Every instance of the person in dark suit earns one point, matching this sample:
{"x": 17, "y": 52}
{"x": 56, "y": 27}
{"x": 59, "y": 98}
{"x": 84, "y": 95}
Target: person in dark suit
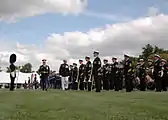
{"x": 44, "y": 71}
{"x": 97, "y": 71}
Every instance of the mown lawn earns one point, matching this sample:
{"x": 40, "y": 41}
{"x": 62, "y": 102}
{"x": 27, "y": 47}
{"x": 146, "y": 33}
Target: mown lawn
{"x": 70, "y": 105}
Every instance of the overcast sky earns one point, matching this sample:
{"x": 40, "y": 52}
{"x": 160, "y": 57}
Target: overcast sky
{"x": 72, "y": 29}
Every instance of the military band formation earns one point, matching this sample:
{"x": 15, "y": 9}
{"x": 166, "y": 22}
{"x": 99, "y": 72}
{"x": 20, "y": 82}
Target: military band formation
{"x": 111, "y": 76}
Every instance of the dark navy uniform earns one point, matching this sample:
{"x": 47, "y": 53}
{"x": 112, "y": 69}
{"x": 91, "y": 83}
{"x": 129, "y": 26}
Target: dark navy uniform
{"x": 128, "y": 74}
{"x": 106, "y": 76}
{"x": 44, "y": 71}
{"x": 157, "y": 73}
{"x": 70, "y": 77}
{"x": 164, "y": 77}
{"x": 88, "y": 79}
{"x": 64, "y": 72}
{"x": 120, "y": 75}
{"x": 97, "y": 72}
{"x": 142, "y": 75}
{"x": 74, "y": 77}
{"x": 111, "y": 80}
{"x": 81, "y": 76}
{"x": 115, "y": 71}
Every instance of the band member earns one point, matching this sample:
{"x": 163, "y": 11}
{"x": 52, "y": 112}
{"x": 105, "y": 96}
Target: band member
{"x": 128, "y": 73}
{"x": 64, "y": 73}
{"x": 97, "y": 71}
{"x": 142, "y": 75}
{"x": 114, "y": 74}
{"x": 70, "y": 79}
{"x": 88, "y": 72}
{"x": 164, "y": 77}
{"x": 149, "y": 75}
{"x": 44, "y": 71}
{"x": 157, "y": 73}
{"x": 74, "y": 77}
{"x": 120, "y": 75}
{"x": 81, "y": 74}
{"x": 106, "y": 75}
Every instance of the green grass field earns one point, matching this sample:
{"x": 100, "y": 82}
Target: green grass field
{"x": 71, "y": 105}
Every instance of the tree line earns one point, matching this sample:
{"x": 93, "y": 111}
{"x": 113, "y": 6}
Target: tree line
{"x": 26, "y": 68}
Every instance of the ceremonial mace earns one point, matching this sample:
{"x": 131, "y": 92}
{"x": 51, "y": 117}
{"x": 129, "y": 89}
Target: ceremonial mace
{"x": 12, "y": 67}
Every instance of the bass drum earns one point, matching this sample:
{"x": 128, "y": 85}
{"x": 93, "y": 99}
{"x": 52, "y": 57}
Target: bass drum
{"x": 151, "y": 85}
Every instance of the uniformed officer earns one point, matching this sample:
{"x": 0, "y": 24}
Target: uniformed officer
{"x": 106, "y": 75}
{"x": 81, "y": 76}
{"x": 70, "y": 79}
{"x": 150, "y": 68}
{"x": 114, "y": 74}
{"x": 88, "y": 72}
{"x": 64, "y": 72}
{"x": 120, "y": 75}
{"x": 44, "y": 71}
{"x": 157, "y": 73}
{"x": 97, "y": 71}
{"x": 164, "y": 77}
{"x": 75, "y": 74}
{"x": 128, "y": 73}
{"x": 149, "y": 77}
{"x": 142, "y": 75}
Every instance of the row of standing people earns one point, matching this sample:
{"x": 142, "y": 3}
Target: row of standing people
{"x": 98, "y": 76}
{"x": 109, "y": 76}
{"x": 115, "y": 75}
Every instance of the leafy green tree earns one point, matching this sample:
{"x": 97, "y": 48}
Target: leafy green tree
{"x": 27, "y": 68}
{"x": 158, "y": 50}
{"x": 146, "y": 51}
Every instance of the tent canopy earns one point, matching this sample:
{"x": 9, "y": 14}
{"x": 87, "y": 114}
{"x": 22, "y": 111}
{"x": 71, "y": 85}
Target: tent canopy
{"x": 22, "y": 77}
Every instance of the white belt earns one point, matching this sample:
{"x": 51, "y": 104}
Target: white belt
{"x": 13, "y": 74}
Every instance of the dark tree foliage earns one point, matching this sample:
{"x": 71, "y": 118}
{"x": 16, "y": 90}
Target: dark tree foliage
{"x": 27, "y": 68}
